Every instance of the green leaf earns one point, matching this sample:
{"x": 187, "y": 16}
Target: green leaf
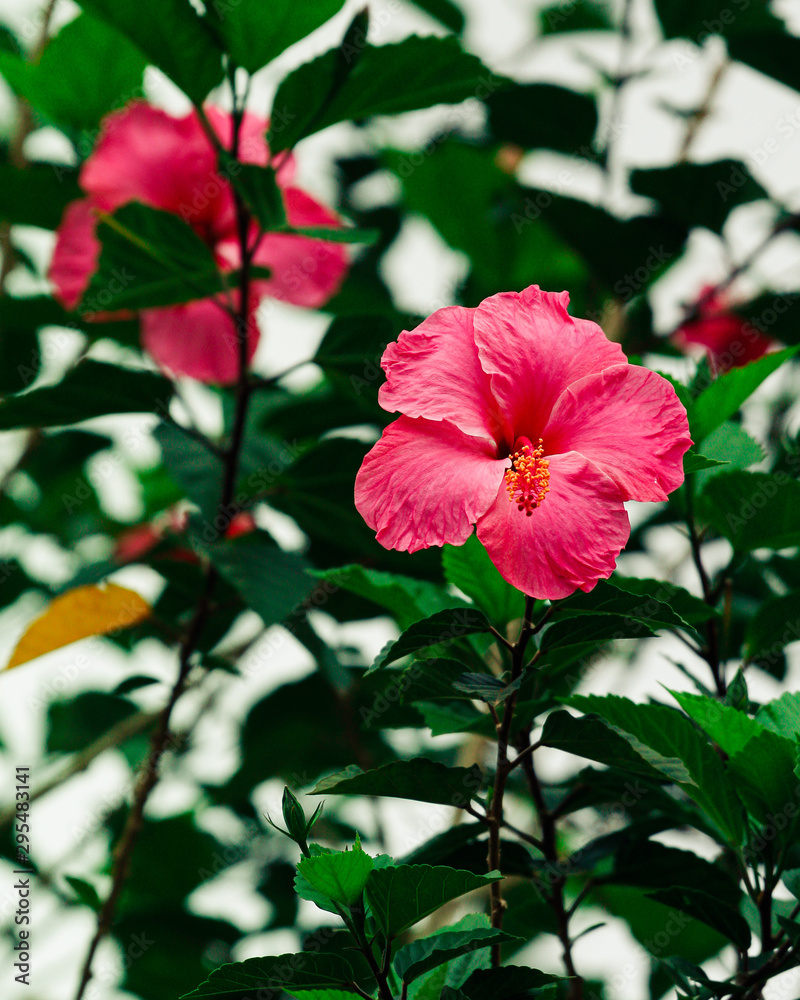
{"x": 707, "y": 908}
{"x": 420, "y": 779}
{"x": 71, "y": 89}
{"x": 255, "y": 34}
{"x": 695, "y": 19}
{"x": 340, "y": 876}
{"x": 149, "y": 258}
{"x": 754, "y": 509}
{"x": 456, "y": 717}
{"x": 386, "y": 80}
{"x": 599, "y": 628}
{"x": 403, "y": 596}
{"x": 629, "y": 613}
{"x": 420, "y": 956}
{"x": 699, "y": 194}
{"x": 773, "y": 627}
{"x": 655, "y": 866}
{"x": 543, "y": 116}
{"x": 327, "y": 994}
{"x": 434, "y": 680}
{"x": 669, "y": 742}
{"x": 446, "y": 12}
{"x": 85, "y": 891}
{"x": 583, "y": 15}
{"x": 692, "y": 462}
{"x": 765, "y": 774}
{"x": 184, "y": 856}
{"x": 728, "y": 445}
{"x": 728, "y": 727}
{"x": 688, "y": 607}
{"x": 615, "y": 249}
{"x": 469, "y": 568}
{"x": 775, "y": 54}
{"x": 91, "y": 389}
{"x": 486, "y": 687}
{"x": 20, "y": 357}
{"x": 37, "y": 195}
{"x": 335, "y": 234}
{"x": 725, "y": 395}
{"x": 510, "y": 982}
{"x": 402, "y": 895}
{"x": 197, "y": 470}
{"x": 587, "y": 736}
{"x": 272, "y": 582}
{"x": 172, "y": 36}
{"x": 354, "y": 345}
{"x": 75, "y": 723}
{"x": 772, "y": 314}
{"x": 259, "y": 190}
{"x": 440, "y": 629}
{"x": 307, "y": 970}
{"x": 134, "y": 683}
{"x": 782, "y": 715}
{"x": 762, "y": 760}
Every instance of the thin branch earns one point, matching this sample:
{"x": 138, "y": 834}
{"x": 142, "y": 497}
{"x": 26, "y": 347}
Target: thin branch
{"x": 495, "y": 814}
{"x": 555, "y": 895}
{"x": 699, "y": 115}
{"x": 501, "y": 638}
{"x": 711, "y": 652}
{"x": 615, "y": 112}
{"x": 149, "y": 775}
{"x": 527, "y": 837}
{"x": 523, "y": 754}
{"x": 695, "y": 310}
{"x": 116, "y": 736}
{"x": 584, "y": 892}
{"x": 145, "y": 784}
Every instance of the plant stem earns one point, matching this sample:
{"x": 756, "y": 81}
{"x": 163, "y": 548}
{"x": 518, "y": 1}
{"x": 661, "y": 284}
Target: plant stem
{"x": 711, "y": 651}
{"x": 145, "y": 784}
{"x": 148, "y": 777}
{"x": 699, "y": 115}
{"x": 555, "y": 896}
{"x": 380, "y": 972}
{"x": 615, "y": 113}
{"x": 502, "y": 770}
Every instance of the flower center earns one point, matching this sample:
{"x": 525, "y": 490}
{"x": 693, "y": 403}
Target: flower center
{"x": 527, "y": 479}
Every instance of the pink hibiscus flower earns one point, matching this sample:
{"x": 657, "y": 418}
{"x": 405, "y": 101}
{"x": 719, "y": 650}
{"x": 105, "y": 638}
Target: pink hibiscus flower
{"x": 531, "y": 425}
{"x": 146, "y": 155}
{"x": 730, "y": 340}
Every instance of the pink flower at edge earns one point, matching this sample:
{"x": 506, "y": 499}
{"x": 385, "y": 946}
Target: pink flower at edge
{"x": 530, "y": 424}
{"x": 146, "y": 155}
{"x": 730, "y": 341}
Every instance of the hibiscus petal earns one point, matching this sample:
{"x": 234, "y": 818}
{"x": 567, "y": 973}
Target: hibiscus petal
{"x": 197, "y": 339}
{"x": 730, "y": 340}
{"x": 426, "y": 483}
{"x": 305, "y": 272}
{"x": 144, "y": 154}
{"x": 76, "y": 253}
{"x": 532, "y": 349}
{"x": 629, "y": 422}
{"x": 252, "y": 137}
{"x": 433, "y": 371}
{"x": 570, "y": 541}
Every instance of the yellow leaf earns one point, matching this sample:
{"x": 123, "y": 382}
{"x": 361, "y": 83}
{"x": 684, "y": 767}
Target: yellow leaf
{"x": 78, "y": 614}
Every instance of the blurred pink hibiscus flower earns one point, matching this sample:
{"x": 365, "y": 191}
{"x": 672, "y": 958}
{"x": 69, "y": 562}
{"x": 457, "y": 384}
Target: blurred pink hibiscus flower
{"x": 146, "y": 155}
{"x": 729, "y": 339}
{"x": 528, "y": 423}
